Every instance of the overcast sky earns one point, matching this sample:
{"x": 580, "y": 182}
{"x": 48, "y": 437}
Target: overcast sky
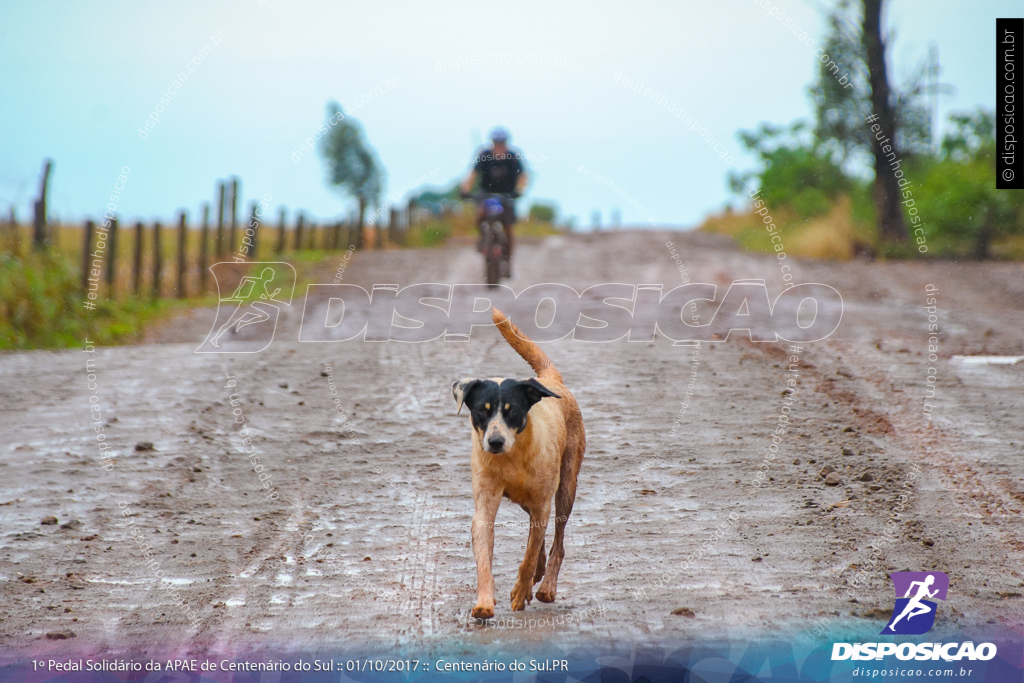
{"x": 79, "y": 80}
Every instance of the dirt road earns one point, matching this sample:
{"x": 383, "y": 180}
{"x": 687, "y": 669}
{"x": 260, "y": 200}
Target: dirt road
{"x": 383, "y": 485}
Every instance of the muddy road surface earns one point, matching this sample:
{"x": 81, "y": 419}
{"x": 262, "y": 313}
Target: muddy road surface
{"x": 367, "y": 540}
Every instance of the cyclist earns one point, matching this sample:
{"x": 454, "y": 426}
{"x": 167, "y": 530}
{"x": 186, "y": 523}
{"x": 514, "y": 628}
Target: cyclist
{"x": 499, "y": 171}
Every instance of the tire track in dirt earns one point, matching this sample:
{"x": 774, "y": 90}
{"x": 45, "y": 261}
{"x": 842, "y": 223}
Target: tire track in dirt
{"x": 857, "y": 384}
{"x": 940, "y": 450}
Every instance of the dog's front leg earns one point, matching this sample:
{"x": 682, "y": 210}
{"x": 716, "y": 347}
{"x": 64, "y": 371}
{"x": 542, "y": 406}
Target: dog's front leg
{"x": 487, "y": 499}
{"x": 523, "y": 591}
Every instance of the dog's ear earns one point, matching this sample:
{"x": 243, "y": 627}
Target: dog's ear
{"x": 534, "y": 391}
{"x": 461, "y": 389}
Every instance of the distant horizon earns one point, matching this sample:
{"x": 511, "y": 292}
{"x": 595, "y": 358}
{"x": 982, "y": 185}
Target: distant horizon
{"x": 251, "y": 98}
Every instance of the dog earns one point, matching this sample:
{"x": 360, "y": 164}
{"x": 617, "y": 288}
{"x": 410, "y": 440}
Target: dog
{"x": 528, "y": 444}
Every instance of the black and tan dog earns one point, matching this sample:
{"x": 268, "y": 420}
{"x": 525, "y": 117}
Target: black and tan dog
{"x": 528, "y": 444}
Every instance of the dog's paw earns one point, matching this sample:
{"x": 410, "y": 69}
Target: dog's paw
{"x": 521, "y": 594}
{"x": 545, "y": 594}
{"x": 483, "y": 611}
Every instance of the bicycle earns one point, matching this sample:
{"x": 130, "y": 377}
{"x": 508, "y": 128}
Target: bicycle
{"x": 493, "y": 237}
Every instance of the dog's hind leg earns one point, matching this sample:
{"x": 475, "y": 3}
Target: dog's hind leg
{"x": 563, "y": 506}
{"x": 542, "y": 560}
{"x": 542, "y": 557}
{"x": 522, "y": 593}
{"x": 565, "y": 497}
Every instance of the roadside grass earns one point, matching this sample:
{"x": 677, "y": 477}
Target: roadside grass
{"x": 836, "y": 235}
{"x": 842, "y": 233}
{"x": 42, "y": 307}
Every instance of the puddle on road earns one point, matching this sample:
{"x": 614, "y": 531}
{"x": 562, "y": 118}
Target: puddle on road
{"x": 177, "y": 582}
{"x": 987, "y": 360}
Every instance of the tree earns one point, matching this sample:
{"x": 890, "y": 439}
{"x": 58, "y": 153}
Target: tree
{"x": 891, "y": 225}
{"x": 542, "y": 212}
{"x": 842, "y": 101}
{"x": 352, "y": 165}
{"x": 843, "y": 105}
{"x": 841, "y": 108}
{"x": 964, "y": 207}
{"x": 796, "y": 170}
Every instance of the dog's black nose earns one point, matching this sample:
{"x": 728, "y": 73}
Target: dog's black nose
{"x": 496, "y": 442}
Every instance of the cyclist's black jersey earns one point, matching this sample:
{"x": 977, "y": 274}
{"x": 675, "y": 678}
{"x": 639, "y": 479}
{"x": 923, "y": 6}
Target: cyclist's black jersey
{"x": 498, "y": 172}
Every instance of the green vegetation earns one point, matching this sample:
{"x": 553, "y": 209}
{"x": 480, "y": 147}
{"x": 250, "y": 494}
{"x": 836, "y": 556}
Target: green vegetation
{"x": 815, "y": 180}
{"x": 544, "y": 213}
{"x": 963, "y": 213}
{"x": 431, "y": 233}
{"x": 41, "y": 306}
{"x": 826, "y": 212}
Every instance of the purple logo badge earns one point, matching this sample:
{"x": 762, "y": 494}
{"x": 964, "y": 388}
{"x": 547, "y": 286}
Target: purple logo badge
{"x": 913, "y": 613}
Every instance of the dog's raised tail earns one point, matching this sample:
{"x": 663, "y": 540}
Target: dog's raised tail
{"x": 525, "y": 347}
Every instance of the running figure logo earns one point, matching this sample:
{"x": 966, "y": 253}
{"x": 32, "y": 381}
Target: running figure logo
{"x": 913, "y": 613}
{"x": 247, "y": 319}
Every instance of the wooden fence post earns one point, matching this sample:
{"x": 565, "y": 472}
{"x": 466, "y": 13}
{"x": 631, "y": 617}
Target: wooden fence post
{"x": 281, "y": 232}
{"x": 182, "y": 250}
{"x": 410, "y": 219}
{"x": 298, "y": 230}
{"x": 254, "y": 225}
{"x": 15, "y": 233}
{"x": 220, "y": 221}
{"x": 112, "y": 263}
{"x": 393, "y": 226}
{"x": 234, "y": 215}
{"x": 336, "y": 236}
{"x": 158, "y": 260}
{"x": 137, "y": 267}
{"x": 87, "y": 254}
{"x": 403, "y": 227}
{"x": 204, "y": 248}
{"x": 14, "y": 237}
{"x": 359, "y": 223}
{"x": 39, "y": 226}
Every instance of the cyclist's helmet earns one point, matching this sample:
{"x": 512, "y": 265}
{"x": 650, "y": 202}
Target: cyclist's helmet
{"x": 499, "y": 134}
